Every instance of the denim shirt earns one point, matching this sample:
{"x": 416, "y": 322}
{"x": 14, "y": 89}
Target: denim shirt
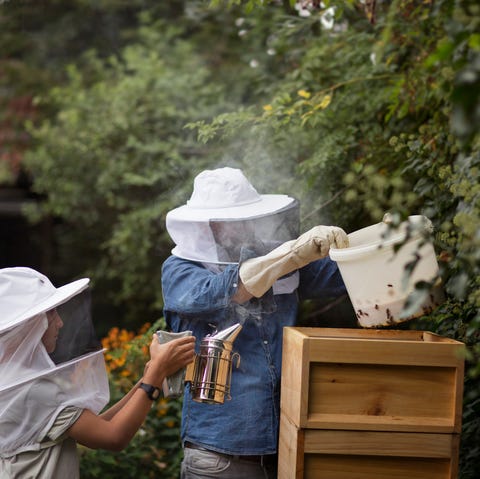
{"x": 196, "y": 298}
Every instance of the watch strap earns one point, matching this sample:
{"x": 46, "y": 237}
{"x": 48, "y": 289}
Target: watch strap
{"x": 152, "y": 391}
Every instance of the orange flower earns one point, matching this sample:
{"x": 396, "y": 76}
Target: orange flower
{"x": 144, "y": 329}
{"x": 121, "y": 344}
{"x": 162, "y": 407}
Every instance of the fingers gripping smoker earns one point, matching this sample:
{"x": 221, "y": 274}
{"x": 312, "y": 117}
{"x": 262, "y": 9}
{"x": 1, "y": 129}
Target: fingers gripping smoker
{"x": 210, "y": 374}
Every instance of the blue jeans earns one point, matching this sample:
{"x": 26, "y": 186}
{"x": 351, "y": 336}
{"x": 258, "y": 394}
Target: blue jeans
{"x": 202, "y": 464}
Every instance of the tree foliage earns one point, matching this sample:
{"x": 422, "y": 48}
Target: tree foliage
{"x": 120, "y": 131}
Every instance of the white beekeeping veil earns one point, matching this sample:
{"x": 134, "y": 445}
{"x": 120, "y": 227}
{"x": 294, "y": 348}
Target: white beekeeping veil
{"x": 224, "y": 213}
{"x": 35, "y": 385}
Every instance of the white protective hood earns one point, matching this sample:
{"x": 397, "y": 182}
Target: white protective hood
{"x": 224, "y": 213}
{"x": 35, "y": 385}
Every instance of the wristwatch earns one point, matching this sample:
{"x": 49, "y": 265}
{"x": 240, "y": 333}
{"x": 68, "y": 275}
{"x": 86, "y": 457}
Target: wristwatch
{"x": 152, "y": 391}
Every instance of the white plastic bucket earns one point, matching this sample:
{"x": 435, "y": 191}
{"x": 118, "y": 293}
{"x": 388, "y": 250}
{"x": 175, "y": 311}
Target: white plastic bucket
{"x": 375, "y": 275}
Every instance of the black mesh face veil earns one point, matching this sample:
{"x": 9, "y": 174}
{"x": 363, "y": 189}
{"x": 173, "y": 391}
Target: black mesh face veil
{"x": 265, "y": 231}
{"x": 77, "y": 335}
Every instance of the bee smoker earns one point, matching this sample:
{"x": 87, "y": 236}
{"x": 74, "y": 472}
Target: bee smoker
{"x": 210, "y": 374}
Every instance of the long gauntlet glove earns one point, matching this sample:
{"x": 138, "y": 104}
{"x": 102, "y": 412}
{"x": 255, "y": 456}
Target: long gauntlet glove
{"x": 259, "y": 274}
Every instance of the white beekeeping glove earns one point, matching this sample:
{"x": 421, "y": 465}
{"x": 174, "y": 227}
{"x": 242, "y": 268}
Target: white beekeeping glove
{"x": 259, "y": 274}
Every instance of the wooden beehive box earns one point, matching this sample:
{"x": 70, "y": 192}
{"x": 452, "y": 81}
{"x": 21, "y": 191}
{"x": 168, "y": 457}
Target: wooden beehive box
{"x": 382, "y": 380}
{"x": 343, "y": 454}
{"x": 358, "y": 404}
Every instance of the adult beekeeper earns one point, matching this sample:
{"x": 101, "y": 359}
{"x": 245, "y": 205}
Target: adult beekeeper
{"x": 53, "y": 380}
{"x": 238, "y": 258}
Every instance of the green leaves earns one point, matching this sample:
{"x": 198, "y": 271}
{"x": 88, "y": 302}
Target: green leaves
{"x": 116, "y": 149}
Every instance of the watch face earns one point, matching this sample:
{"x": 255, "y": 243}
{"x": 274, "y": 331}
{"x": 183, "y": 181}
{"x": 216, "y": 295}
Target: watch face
{"x": 154, "y": 393}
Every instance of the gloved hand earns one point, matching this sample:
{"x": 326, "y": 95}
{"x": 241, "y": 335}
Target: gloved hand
{"x": 259, "y": 274}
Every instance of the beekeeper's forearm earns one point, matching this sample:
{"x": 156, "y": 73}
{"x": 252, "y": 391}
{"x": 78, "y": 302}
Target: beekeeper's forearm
{"x": 110, "y": 412}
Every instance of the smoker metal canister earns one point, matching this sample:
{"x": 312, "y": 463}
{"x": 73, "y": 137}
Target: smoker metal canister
{"x": 212, "y": 368}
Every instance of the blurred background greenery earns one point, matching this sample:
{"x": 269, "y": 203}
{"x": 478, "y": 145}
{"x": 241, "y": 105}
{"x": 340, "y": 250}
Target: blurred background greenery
{"x": 109, "y": 108}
